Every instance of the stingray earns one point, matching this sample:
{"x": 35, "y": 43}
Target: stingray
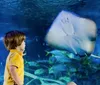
{"x": 72, "y": 33}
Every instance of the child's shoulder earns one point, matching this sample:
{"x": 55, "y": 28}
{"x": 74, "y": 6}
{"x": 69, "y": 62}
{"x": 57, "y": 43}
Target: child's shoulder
{"x": 13, "y": 55}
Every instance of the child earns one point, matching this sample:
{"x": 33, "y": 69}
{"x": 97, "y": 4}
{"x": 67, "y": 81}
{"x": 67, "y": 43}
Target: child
{"x": 14, "y": 70}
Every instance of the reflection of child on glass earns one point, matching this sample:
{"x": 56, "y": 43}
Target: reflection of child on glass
{"x": 14, "y": 70}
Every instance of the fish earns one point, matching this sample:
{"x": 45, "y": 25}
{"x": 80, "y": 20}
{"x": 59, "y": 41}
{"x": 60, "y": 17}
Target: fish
{"x": 32, "y": 63}
{"x": 59, "y": 59}
{"x": 40, "y": 71}
{"x": 72, "y": 33}
{"x": 56, "y": 52}
{"x": 59, "y": 56}
{"x": 57, "y": 68}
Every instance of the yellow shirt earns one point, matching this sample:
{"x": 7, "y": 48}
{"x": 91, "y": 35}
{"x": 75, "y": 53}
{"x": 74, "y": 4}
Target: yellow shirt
{"x": 14, "y": 58}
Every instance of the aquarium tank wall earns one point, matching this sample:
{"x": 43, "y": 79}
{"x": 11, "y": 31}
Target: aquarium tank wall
{"x": 62, "y": 40}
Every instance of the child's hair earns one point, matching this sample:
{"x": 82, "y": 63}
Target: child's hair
{"x": 13, "y": 39}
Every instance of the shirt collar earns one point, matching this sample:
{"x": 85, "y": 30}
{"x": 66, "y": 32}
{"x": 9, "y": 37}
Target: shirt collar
{"x": 15, "y": 50}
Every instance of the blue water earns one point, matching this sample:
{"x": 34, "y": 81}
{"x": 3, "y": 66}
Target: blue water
{"x": 34, "y": 18}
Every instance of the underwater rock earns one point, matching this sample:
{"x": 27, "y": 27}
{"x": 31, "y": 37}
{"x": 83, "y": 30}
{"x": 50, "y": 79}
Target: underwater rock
{"x": 43, "y": 79}
{"x": 65, "y": 79}
{"x": 34, "y": 82}
{"x": 72, "y": 69}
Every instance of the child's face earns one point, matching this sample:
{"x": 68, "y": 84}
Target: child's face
{"x": 22, "y": 46}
